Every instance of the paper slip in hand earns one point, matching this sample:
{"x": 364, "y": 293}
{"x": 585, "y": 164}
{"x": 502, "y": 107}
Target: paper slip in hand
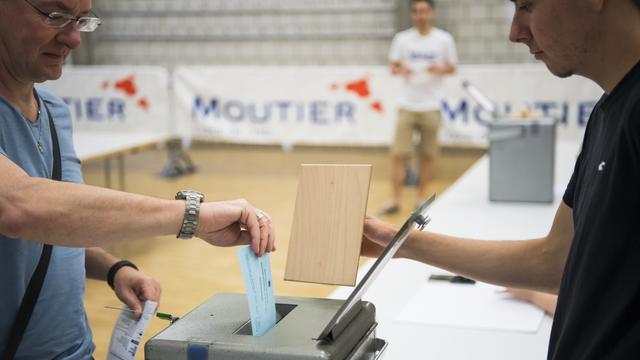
{"x": 256, "y": 272}
{"x": 128, "y": 332}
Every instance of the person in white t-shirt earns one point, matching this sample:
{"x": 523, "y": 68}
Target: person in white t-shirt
{"x": 423, "y": 55}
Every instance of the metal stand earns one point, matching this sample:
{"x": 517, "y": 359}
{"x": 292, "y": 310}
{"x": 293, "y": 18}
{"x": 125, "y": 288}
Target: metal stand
{"x": 121, "y": 170}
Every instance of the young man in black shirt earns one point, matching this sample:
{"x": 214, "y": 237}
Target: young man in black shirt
{"x": 591, "y": 255}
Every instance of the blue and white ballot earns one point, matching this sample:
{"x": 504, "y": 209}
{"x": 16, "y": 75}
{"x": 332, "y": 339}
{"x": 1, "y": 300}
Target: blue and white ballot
{"x": 128, "y": 331}
{"x": 256, "y": 272}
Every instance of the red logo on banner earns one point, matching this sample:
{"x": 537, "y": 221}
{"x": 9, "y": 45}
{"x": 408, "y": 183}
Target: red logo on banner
{"x": 143, "y": 103}
{"x": 128, "y": 87}
{"x": 361, "y": 89}
{"x": 377, "y": 106}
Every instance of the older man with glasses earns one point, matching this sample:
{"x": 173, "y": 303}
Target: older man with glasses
{"x": 50, "y": 231}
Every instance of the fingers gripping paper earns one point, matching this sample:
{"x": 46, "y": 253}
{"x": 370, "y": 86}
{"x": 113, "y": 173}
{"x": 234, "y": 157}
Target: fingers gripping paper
{"x": 256, "y": 272}
{"x": 327, "y": 224}
{"x": 128, "y": 331}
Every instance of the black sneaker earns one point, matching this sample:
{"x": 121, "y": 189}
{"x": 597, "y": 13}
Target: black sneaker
{"x": 389, "y": 209}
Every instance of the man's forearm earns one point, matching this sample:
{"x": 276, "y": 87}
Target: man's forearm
{"x": 522, "y": 263}
{"x": 83, "y": 216}
{"x": 98, "y": 262}
{"x": 449, "y": 69}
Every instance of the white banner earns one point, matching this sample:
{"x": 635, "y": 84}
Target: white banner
{"x": 130, "y": 99}
{"x": 311, "y": 105}
{"x": 514, "y": 89}
{"x": 357, "y": 105}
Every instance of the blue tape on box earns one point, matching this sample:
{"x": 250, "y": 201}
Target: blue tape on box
{"x": 197, "y": 352}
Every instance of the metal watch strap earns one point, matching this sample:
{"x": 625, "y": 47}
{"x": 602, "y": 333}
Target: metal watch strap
{"x": 191, "y": 212}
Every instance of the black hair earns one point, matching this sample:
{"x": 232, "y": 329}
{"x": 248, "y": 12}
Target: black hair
{"x": 432, "y": 3}
{"x": 636, "y": 2}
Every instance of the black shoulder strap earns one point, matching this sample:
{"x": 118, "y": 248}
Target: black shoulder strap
{"x": 37, "y": 279}
{"x": 57, "y": 162}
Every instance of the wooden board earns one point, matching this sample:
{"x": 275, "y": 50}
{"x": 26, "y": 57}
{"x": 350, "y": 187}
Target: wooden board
{"x": 327, "y": 224}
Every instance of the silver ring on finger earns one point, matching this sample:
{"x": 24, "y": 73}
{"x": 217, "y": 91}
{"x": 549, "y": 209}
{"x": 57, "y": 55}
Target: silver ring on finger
{"x": 261, "y": 216}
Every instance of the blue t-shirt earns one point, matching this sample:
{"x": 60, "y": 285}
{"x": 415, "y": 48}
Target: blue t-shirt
{"x": 58, "y": 328}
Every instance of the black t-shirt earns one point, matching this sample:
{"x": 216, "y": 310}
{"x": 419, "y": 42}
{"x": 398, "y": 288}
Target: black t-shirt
{"x": 598, "y": 312}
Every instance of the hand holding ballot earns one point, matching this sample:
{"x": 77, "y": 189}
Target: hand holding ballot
{"x": 133, "y": 288}
{"x": 236, "y": 222}
{"x": 128, "y": 332}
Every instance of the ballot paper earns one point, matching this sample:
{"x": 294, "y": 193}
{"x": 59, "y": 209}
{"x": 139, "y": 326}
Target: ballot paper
{"x": 128, "y": 332}
{"x": 477, "y": 306}
{"x": 256, "y": 272}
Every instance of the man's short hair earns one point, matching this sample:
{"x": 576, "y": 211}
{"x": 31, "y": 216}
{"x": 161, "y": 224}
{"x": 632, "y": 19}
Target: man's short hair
{"x": 431, "y": 3}
{"x": 637, "y": 2}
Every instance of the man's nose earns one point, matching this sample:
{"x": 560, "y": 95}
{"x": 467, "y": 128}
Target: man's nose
{"x": 519, "y": 32}
{"x": 70, "y": 35}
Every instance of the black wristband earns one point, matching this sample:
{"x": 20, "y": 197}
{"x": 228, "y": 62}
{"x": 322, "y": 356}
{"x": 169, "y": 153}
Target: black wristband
{"x": 117, "y": 266}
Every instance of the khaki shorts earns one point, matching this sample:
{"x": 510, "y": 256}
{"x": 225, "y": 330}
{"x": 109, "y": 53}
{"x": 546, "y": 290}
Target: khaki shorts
{"x": 426, "y": 122}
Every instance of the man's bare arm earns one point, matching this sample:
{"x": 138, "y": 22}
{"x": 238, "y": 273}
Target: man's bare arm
{"x": 98, "y": 262}
{"x": 446, "y": 69}
{"x": 131, "y": 286}
{"x": 78, "y": 215}
{"x": 535, "y": 264}
{"x": 398, "y": 68}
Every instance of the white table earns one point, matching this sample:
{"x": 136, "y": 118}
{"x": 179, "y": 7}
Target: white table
{"x": 105, "y": 145}
{"x": 465, "y": 210}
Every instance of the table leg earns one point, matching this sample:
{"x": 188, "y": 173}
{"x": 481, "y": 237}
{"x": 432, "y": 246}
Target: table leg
{"x": 107, "y": 172}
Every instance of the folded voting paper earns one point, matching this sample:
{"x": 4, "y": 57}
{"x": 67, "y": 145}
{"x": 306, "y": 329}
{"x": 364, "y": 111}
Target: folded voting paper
{"x": 128, "y": 332}
{"x": 256, "y": 272}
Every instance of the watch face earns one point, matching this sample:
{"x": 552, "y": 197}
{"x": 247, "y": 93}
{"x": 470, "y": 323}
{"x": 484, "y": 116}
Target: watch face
{"x": 198, "y": 194}
{"x": 182, "y": 195}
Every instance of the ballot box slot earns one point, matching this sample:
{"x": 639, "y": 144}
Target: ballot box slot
{"x": 282, "y": 310}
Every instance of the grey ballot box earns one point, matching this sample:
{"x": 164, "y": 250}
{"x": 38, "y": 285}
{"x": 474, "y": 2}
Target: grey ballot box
{"x": 220, "y": 329}
{"x": 522, "y": 156}
{"x": 306, "y": 328}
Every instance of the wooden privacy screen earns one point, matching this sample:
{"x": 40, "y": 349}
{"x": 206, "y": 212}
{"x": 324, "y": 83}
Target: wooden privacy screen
{"x": 327, "y": 224}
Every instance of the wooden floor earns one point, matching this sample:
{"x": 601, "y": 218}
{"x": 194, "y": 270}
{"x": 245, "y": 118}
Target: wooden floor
{"x": 191, "y": 271}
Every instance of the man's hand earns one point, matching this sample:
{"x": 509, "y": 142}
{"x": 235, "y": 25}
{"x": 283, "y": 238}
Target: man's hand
{"x": 440, "y": 69}
{"x": 376, "y": 236}
{"x": 404, "y": 71}
{"x": 236, "y": 222}
{"x": 397, "y": 68}
{"x": 134, "y": 287}
{"x": 546, "y": 302}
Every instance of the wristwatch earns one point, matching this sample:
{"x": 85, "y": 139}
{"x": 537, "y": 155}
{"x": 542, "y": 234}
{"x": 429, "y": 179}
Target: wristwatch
{"x": 191, "y": 212}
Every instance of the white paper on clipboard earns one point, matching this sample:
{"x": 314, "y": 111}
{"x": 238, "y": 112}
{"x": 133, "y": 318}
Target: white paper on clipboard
{"x": 477, "y": 306}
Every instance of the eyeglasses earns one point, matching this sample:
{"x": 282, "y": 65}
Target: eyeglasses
{"x": 60, "y": 20}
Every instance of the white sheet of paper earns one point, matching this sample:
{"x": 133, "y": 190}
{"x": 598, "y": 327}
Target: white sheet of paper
{"x": 478, "y": 306}
{"x": 127, "y": 333}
